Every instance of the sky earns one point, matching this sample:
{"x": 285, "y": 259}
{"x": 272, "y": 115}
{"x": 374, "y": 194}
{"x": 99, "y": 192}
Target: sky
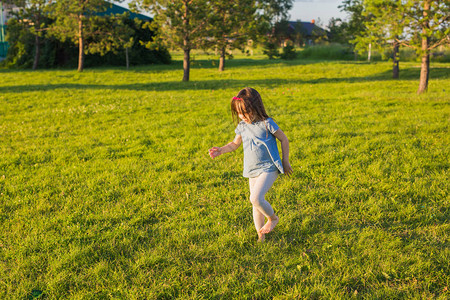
{"x": 307, "y": 10}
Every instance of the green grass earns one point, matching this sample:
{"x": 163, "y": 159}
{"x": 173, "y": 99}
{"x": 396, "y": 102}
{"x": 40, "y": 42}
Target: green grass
{"x": 108, "y": 192}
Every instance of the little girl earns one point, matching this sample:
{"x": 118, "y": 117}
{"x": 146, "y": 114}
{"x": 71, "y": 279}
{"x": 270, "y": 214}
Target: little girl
{"x": 262, "y": 163}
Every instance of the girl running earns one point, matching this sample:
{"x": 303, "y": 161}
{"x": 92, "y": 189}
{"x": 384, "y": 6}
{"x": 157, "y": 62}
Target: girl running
{"x": 262, "y": 163}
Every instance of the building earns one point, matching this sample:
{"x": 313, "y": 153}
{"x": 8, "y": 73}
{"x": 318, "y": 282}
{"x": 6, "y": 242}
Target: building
{"x": 305, "y": 33}
{"x": 114, "y": 9}
{"x": 6, "y": 13}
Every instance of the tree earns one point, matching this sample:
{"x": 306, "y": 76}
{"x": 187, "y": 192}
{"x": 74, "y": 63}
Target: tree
{"x": 429, "y": 22}
{"x": 275, "y": 10}
{"x": 178, "y": 23}
{"x": 275, "y": 13}
{"x": 110, "y": 33}
{"x": 33, "y": 17}
{"x": 227, "y": 29}
{"x": 384, "y": 25}
{"x": 419, "y": 24}
{"x": 338, "y": 30}
{"x": 108, "y": 46}
{"x": 355, "y": 25}
{"x": 73, "y": 19}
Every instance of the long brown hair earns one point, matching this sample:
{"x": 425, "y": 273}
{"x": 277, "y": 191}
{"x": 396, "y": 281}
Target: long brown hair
{"x": 248, "y": 102}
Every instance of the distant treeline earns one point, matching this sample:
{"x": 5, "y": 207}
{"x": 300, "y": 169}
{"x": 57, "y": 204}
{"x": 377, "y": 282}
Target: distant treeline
{"x": 64, "y": 33}
{"x": 56, "y": 53}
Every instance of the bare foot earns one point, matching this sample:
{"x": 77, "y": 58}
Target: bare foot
{"x": 270, "y": 225}
{"x": 261, "y": 237}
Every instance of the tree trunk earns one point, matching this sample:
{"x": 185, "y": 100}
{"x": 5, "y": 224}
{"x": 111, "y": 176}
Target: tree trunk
{"x": 425, "y": 67}
{"x": 222, "y": 59}
{"x": 186, "y": 64}
{"x": 127, "y": 58}
{"x": 37, "y": 53}
{"x": 395, "y": 68}
{"x": 369, "y": 55}
{"x": 80, "y": 45}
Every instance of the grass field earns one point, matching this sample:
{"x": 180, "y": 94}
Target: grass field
{"x": 107, "y": 190}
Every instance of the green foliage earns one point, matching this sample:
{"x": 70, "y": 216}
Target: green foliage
{"x": 121, "y": 32}
{"x": 329, "y": 52}
{"x": 420, "y": 24}
{"x": 339, "y": 32}
{"x": 275, "y": 11}
{"x": 114, "y": 33}
{"x": 78, "y": 22}
{"x": 270, "y": 48}
{"x": 384, "y": 24}
{"x": 424, "y": 19}
{"x": 21, "y": 42}
{"x": 32, "y": 16}
{"x": 179, "y": 24}
{"x": 354, "y": 26}
{"x": 441, "y": 55}
{"x": 226, "y": 28}
{"x": 55, "y": 53}
{"x": 288, "y": 51}
{"x": 107, "y": 190}
{"x": 73, "y": 18}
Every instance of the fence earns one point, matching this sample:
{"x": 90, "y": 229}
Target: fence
{"x": 3, "y": 42}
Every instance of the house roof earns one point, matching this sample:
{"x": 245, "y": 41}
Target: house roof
{"x": 116, "y": 9}
{"x": 308, "y": 27}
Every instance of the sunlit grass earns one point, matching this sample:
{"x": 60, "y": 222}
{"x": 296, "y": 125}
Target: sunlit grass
{"x": 107, "y": 189}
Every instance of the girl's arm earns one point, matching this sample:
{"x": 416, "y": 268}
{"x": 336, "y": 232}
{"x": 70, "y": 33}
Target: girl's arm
{"x": 279, "y": 134}
{"x": 216, "y": 151}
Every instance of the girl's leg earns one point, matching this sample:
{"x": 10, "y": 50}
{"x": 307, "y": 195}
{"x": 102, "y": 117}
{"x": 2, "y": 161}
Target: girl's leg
{"x": 259, "y": 186}
{"x": 258, "y": 217}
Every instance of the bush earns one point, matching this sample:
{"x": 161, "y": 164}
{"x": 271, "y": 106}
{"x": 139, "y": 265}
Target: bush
{"x": 271, "y": 49}
{"x": 441, "y": 56}
{"x": 55, "y": 53}
{"x": 333, "y": 51}
{"x": 289, "y": 52}
{"x": 407, "y": 54}
{"x": 20, "y": 51}
{"x": 138, "y": 54}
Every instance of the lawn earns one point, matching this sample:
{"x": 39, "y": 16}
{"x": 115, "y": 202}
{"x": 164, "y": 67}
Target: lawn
{"x": 107, "y": 190}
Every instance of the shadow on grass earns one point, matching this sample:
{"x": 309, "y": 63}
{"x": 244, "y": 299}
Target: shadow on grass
{"x": 175, "y": 65}
{"x": 242, "y": 62}
{"x": 407, "y": 74}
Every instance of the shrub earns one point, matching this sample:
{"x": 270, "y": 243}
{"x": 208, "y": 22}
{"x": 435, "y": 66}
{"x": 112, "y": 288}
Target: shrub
{"x": 271, "y": 49}
{"x": 289, "y": 52}
{"x": 333, "y": 51}
{"x": 20, "y": 46}
{"x": 441, "y": 55}
{"x": 55, "y": 53}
